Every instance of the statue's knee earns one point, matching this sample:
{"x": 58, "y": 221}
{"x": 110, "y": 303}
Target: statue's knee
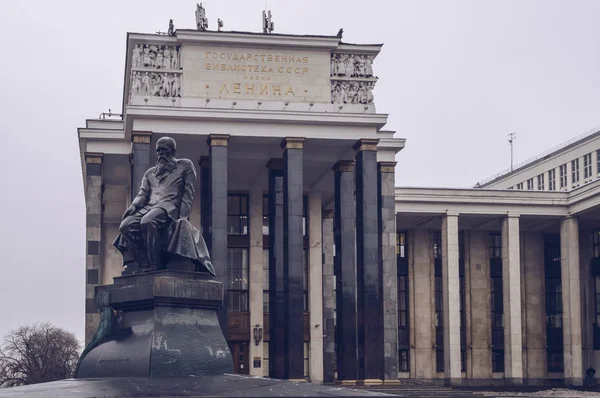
{"x": 125, "y": 226}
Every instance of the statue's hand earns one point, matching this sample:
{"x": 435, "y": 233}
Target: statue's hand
{"x": 130, "y": 210}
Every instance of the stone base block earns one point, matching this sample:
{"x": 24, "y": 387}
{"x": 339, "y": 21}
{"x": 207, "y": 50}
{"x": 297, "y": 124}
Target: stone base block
{"x": 346, "y": 382}
{"x": 370, "y": 382}
{"x": 392, "y": 382}
{"x": 159, "y": 324}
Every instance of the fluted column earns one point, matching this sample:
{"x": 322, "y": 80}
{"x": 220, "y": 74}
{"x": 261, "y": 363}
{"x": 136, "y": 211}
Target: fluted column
{"x": 450, "y": 292}
{"x": 293, "y": 251}
{"x": 345, "y": 272}
{"x": 218, "y": 214}
{"x": 369, "y": 278}
{"x": 571, "y": 301}
{"x": 511, "y": 292}
{"x": 93, "y": 236}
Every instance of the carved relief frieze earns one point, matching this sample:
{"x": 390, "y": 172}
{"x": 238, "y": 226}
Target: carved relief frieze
{"x": 155, "y": 56}
{"x": 352, "y": 92}
{"x": 352, "y": 79}
{"x": 155, "y": 84}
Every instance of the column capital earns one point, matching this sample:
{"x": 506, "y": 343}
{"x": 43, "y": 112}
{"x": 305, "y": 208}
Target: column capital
{"x": 204, "y": 162}
{"x": 328, "y": 213}
{"x": 513, "y": 215}
{"x": 387, "y": 167}
{"x": 218, "y": 140}
{"x": 93, "y": 157}
{"x": 292, "y": 143}
{"x": 275, "y": 164}
{"x": 451, "y": 213}
{"x": 141, "y": 137}
{"x": 344, "y": 165}
{"x": 365, "y": 144}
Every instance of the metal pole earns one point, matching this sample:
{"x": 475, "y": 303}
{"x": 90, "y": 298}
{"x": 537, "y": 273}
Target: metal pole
{"x": 511, "y": 138}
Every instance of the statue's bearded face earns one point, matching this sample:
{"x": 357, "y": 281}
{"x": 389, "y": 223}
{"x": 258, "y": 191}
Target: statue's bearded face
{"x": 165, "y": 162}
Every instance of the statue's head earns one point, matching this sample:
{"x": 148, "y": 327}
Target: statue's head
{"x": 165, "y": 147}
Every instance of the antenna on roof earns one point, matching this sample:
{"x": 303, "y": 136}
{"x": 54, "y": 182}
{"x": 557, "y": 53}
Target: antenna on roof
{"x": 511, "y": 139}
{"x": 268, "y": 25}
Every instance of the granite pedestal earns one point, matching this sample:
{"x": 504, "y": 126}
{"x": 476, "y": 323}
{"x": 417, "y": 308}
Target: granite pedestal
{"x": 158, "y": 324}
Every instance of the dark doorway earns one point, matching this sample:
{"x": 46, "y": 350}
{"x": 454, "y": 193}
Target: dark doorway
{"x": 240, "y": 354}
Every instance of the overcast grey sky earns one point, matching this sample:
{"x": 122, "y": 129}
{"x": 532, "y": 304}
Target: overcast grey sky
{"x": 455, "y": 76}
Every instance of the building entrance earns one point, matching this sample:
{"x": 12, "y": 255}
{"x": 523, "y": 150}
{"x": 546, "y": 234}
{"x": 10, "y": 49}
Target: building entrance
{"x": 240, "y": 354}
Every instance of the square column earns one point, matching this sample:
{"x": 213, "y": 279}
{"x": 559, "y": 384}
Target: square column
{"x": 205, "y": 200}
{"x": 256, "y": 278}
{"x": 369, "y": 278}
{"x": 389, "y": 267}
{"x": 93, "y": 237}
{"x": 511, "y": 299}
{"x": 571, "y": 301}
{"x": 140, "y": 161}
{"x": 276, "y": 271}
{"x": 315, "y": 287}
{"x": 450, "y": 292}
{"x": 328, "y": 299}
{"x": 218, "y": 216}
{"x": 345, "y": 272}
{"x": 293, "y": 254}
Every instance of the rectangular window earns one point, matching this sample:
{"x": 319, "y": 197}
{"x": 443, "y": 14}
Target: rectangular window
{"x": 540, "y": 183}
{"x": 553, "y": 296}
{"x": 237, "y": 273}
{"x": 575, "y": 171}
{"x": 402, "y": 297}
{"x": 439, "y": 302}
{"x": 596, "y": 242}
{"x": 530, "y": 184}
{"x": 306, "y": 358}
{"x": 265, "y": 363}
{"x": 587, "y": 166}
{"x": 563, "y": 175}
{"x": 305, "y": 278}
{"x": 265, "y": 212}
{"x": 266, "y": 280}
{"x": 497, "y": 305}
{"x": 552, "y": 180}
{"x": 520, "y": 186}
{"x": 237, "y": 214}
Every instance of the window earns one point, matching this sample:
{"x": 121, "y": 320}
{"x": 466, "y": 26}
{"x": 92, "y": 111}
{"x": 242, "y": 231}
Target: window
{"x": 540, "y": 182}
{"x": 463, "y": 311}
{"x": 497, "y": 305}
{"x": 574, "y": 171}
{"x": 496, "y": 246}
{"x": 596, "y": 242}
{"x": 597, "y": 285}
{"x": 403, "y": 297}
{"x": 563, "y": 175}
{"x": 306, "y": 358}
{"x": 587, "y": 166}
{"x": 237, "y": 273}
{"x": 530, "y": 184}
{"x": 305, "y": 278}
{"x": 266, "y": 280}
{"x": 553, "y": 295}
{"x": 237, "y": 214}
{"x": 552, "y": 180}
{"x": 520, "y": 186}
{"x": 598, "y": 161}
{"x": 265, "y": 212}
{"x": 439, "y": 302}
{"x": 265, "y": 358}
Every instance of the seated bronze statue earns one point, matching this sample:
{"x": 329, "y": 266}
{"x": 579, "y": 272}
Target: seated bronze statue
{"x": 155, "y": 228}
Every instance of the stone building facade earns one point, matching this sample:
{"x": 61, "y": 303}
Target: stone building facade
{"x": 332, "y": 273}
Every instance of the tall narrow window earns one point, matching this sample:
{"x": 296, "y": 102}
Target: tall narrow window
{"x": 265, "y": 209}
{"x": 554, "y": 328}
{"x": 497, "y": 306}
{"x": 596, "y": 243}
{"x": 563, "y": 175}
{"x": 266, "y": 280}
{"x": 540, "y": 182}
{"x": 463, "y": 311}
{"x": 530, "y": 184}
{"x": 552, "y": 180}
{"x": 598, "y": 161}
{"x": 305, "y": 278}
{"x": 237, "y": 270}
{"x": 587, "y": 166}
{"x": 403, "y": 297}
{"x": 439, "y": 302}
{"x": 520, "y": 186}
{"x": 575, "y": 171}
{"x": 306, "y": 359}
{"x": 237, "y": 214}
